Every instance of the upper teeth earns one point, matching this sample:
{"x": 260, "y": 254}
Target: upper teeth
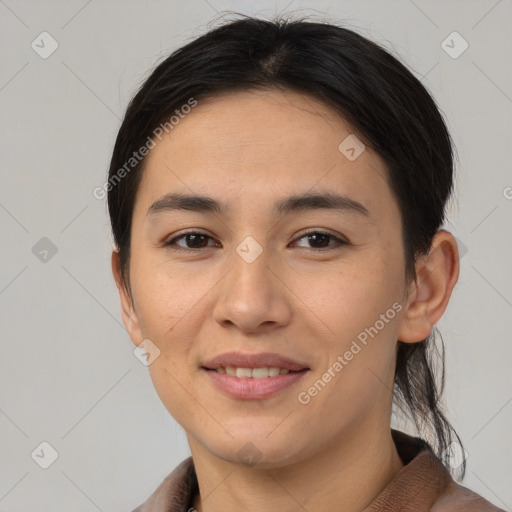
{"x": 255, "y": 373}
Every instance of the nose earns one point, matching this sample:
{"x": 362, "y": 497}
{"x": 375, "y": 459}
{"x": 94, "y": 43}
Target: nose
{"x": 253, "y": 295}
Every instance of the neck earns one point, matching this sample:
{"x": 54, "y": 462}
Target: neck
{"x": 352, "y": 473}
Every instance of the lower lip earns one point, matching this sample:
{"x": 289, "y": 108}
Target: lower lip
{"x": 253, "y": 389}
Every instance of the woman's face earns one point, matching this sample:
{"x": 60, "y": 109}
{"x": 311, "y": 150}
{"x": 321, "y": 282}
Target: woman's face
{"x": 252, "y": 281}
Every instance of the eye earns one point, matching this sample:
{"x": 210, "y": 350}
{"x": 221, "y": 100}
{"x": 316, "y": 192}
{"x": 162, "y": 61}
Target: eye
{"x": 193, "y": 240}
{"x": 320, "y": 240}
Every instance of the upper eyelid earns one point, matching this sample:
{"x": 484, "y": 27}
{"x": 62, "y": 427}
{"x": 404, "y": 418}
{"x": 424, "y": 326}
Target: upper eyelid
{"x": 319, "y": 231}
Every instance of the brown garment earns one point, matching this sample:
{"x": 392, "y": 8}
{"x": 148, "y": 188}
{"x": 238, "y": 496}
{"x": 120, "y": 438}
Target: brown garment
{"x": 423, "y": 484}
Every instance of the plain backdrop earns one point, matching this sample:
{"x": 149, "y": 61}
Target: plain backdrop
{"x": 69, "y": 377}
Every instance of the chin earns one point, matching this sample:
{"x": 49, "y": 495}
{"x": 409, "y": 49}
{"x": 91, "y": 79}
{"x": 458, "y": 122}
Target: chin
{"x": 257, "y": 450}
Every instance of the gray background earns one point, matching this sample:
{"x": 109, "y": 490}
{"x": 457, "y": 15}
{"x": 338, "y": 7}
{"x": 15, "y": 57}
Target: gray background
{"x": 68, "y": 373}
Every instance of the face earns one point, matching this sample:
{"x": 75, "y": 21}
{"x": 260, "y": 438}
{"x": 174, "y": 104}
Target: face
{"x": 317, "y": 282}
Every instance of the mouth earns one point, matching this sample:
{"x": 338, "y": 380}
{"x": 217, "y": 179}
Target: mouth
{"x": 246, "y": 365}
{"x": 253, "y": 376}
{"x": 258, "y": 386}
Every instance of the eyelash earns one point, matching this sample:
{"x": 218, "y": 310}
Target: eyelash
{"x": 339, "y": 242}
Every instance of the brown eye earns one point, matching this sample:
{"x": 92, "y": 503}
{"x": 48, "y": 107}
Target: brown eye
{"x": 192, "y": 241}
{"x": 320, "y": 240}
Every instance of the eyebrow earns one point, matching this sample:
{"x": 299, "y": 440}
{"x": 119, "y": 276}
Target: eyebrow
{"x": 297, "y": 203}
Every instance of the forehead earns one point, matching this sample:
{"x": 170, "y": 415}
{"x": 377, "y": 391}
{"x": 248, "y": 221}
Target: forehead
{"x": 258, "y": 126}
{"x": 259, "y": 144}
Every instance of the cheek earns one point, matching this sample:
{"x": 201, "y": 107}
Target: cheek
{"x": 357, "y": 374}
{"x": 164, "y": 297}
{"x": 354, "y": 296}
{"x": 361, "y": 305}
{"x": 166, "y": 315}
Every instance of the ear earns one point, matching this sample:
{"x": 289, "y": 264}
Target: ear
{"x": 128, "y": 313}
{"x": 436, "y": 275}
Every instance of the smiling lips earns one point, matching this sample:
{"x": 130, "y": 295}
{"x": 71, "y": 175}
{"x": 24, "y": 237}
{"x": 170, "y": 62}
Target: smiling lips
{"x": 253, "y": 376}
{"x": 262, "y": 360}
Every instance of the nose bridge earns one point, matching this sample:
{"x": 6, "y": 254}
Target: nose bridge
{"x": 251, "y": 294}
{"x": 250, "y": 269}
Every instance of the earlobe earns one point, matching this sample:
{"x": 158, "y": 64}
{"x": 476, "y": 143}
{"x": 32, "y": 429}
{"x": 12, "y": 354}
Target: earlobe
{"x": 128, "y": 313}
{"x": 436, "y": 275}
